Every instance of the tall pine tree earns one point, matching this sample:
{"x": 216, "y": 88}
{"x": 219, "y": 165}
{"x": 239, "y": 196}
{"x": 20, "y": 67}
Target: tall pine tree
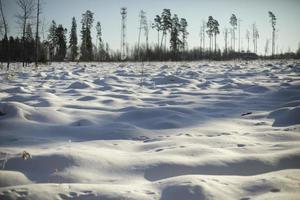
{"x": 61, "y": 43}
{"x": 73, "y": 40}
{"x": 52, "y": 39}
{"x": 100, "y": 47}
{"x": 184, "y": 33}
{"x": 29, "y": 44}
{"x": 86, "y": 48}
{"x": 174, "y": 40}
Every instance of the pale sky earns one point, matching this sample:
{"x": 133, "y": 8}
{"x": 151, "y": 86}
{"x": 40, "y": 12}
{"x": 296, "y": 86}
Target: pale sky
{"x": 108, "y": 13}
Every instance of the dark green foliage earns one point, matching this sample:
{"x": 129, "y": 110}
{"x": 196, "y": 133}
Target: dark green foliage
{"x": 100, "y": 54}
{"x": 61, "y": 45}
{"x": 57, "y": 42}
{"x": 86, "y": 48}
{"x": 233, "y": 23}
{"x": 175, "y": 42}
{"x": 4, "y": 49}
{"x": 52, "y": 39}
{"x": 166, "y": 24}
{"x": 29, "y": 45}
{"x": 184, "y": 33}
{"x": 73, "y": 40}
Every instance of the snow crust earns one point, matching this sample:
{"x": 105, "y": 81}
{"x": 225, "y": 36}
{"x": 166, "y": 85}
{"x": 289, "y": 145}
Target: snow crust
{"x": 182, "y": 131}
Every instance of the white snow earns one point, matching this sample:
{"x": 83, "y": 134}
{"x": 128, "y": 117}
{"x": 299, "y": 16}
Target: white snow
{"x": 183, "y": 131}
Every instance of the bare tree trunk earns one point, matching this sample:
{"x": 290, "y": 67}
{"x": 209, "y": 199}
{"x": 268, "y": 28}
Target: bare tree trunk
{"x": 158, "y": 38}
{"x": 239, "y": 22}
{"x": 162, "y": 38}
{"x": 5, "y": 35}
{"x": 203, "y": 35}
{"x": 215, "y": 43}
{"x": 139, "y": 38}
{"x": 226, "y": 40}
{"x": 248, "y": 45}
{"x": 27, "y": 8}
{"x": 23, "y": 42}
{"x": 210, "y": 43}
{"x": 231, "y": 41}
{"x": 273, "y": 42}
{"x": 37, "y": 34}
{"x": 3, "y": 18}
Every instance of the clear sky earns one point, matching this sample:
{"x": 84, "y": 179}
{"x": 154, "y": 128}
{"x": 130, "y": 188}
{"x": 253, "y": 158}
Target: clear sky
{"x": 108, "y": 13}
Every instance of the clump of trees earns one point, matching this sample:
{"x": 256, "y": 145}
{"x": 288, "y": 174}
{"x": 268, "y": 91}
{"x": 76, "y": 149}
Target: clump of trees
{"x": 167, "y": 26}
{"x": 171, "y": 44}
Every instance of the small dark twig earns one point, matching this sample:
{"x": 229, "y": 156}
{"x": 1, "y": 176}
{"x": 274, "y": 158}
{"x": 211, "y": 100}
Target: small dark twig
{"x": 247, "y": 113}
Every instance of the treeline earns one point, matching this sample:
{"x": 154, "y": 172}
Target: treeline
{"x": 19, "y": 50}
{"x": 63, "y": 45}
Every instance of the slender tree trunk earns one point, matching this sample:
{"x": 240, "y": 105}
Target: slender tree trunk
{"x": 273, "y": 41}
{"x": 23, "y": 40}
{"x": 210, "y": 43}
{"x": 215, "y": 43}
{"x": 248, "y": 45}
{"x": 162, "y": 38}
{"x": 233, "y": 40}
{"x": 3, "y": 18}
{"x": 147, "y": 44}
{"x": 37, "y": 34}
{"x": 226, "y": 40}
{"x": 5, "y": 34}
{"x": 256, "y": 45}
{"x": 226, "y": 43}
{"x": 203, "y": 35}
{"x": 139, "y": 38}
{"x": 200, "y": 39}
{"x": 158, "y": 38}
{"x": 239, "y": 21}
{"x": 165, "y": 42}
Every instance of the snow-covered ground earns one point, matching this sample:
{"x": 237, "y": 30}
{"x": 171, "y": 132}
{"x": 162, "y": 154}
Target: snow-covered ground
{"x": 183, "y": 131}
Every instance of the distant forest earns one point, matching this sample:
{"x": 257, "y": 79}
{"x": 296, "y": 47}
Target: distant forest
{"x": 63, "y": 45}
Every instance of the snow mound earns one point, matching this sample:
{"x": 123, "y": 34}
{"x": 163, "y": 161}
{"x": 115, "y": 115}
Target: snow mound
{"x": 11, "y": 178}
{"x": 40, "y": 168}
{"x": 183, "y": 191}
{"x": 170, "y": 79}
{"x": 87, "y": 98}
{"x": 80, "y": 85}
{"x": 182, "y": 135}
{"x": 286, "y": 116}
{"x": 256, "y": 89}
{"x": 164, "y": 67}
{"x": 14, "y": 110}
{"x": 82, "y": 122}
{"x": 18, "y": 89}
{"x": 236, "y": 167}
{"x": 292, "y": 104}
{"x": 156, "y": 118}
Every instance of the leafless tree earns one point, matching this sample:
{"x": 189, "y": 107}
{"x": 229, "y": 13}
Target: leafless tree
{"x": 6, "y": 51}
{"x": 248, "y": 39}
{"x": 4, "y": 24}
{"x": 273, "y": 23}
{"x": 202, "y": 35}
{"x": 37, "y": 33}
{"x": 226, "y": 31}
{"x": 142, "y": 24}
{"x": 239, "y": 29}
{"x": 233, "y": 23}
{"x": 27, "y": 8}
{"x": 267, "y": 47}
{"x": 255, "y": 36}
